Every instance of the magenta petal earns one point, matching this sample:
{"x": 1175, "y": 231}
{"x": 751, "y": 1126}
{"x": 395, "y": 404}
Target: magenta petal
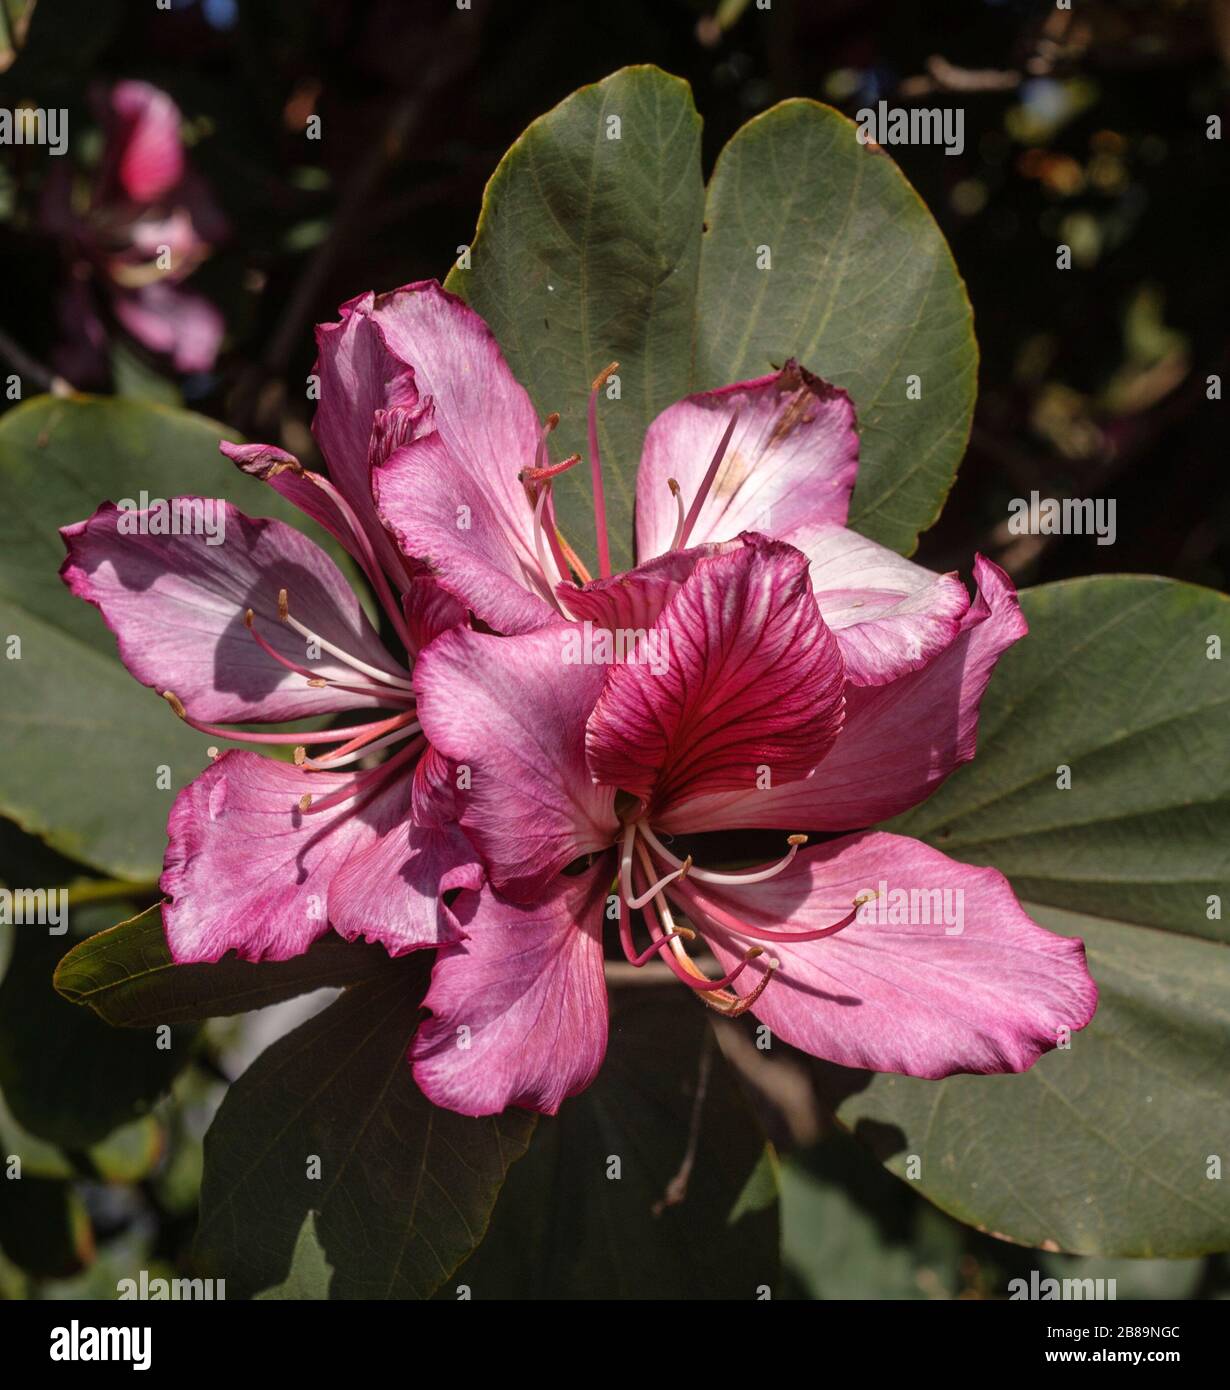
{"x": 483, "y": 414}
{"x": 176, "y": 604}
{"x": 248, "y": 871}
{"x": 791, "y": 460}
{"x": 360, "y": 380}
{"x": 392, "y": 891}
{"x": 169, "y": 319}
{"x": 634, "y": 600}
{"x": 890, "y": 616}
{"x": 284, "y": 473}
{"x": 479, "y": 545}
{"x": 511, "y": 715}
{"x": 958, "y": 980}
{"x": 287, "y": 476}
{"x": 519, "y": 1011}
{"x": 751, "y": 690}
{"x": 145, "y": 141}
{"x": 429, "y": 610}
{"x": 458, "y": 501}
{"x": 899, "y": 740}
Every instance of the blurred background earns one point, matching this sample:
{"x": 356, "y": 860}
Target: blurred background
{"x": 1088, "y": 127}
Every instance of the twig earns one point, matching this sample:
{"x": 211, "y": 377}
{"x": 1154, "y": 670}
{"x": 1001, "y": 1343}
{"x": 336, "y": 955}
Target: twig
{"x": 43, "y": 377}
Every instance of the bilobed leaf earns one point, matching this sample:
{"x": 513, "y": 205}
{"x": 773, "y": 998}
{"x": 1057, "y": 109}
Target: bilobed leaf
{"x": 586, "y": 253}
{"x": 1106, "y": 1147}
{"x": 329, "y": 1120}
{"x": 654, "y": 1183}
{"x": 591, "y": 249}
{"x": 126, "y": 975}
{"x": 862, "y": 289}
{"x": 85, "y": 740}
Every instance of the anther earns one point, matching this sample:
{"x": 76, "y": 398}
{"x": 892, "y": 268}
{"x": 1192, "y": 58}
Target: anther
{"x": 678, "y": 496}
{"x": 175, "y": 702}
{"x": 373, "y": 672}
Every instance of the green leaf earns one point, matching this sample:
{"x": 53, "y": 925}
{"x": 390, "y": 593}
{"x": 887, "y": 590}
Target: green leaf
{"x": 590, "y": 249}
{"x": 863, "y": 290}
{"x": 84, "y": 739}
{"x": 404, "y": 1190}
{"x": 1115, "y": 682}
{"x": 586, "y": 252}
{"x": 67, "y": 1076}
{"x": 690, "y": 1210}
{"x": 126, "y": 975}
{"x": 310, "y": 1272}
{"x": 1106, "y": 1148}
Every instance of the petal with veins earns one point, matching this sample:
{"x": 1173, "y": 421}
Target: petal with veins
{"x": 943, "y": 973}
{"x": 791, "y": 460}
{"x": 176, "y": 604}
{"x": 527, "y": 985}
{"x": 510, "y": 712}
{"x": 752, "y": 686}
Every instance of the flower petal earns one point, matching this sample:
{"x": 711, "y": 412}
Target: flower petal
{"x": 169, "y": 319}
{"x": 459, "y": 502}
{"x": 511, "y": 714}
{"x": 144, "y": 141}
{"x": 176, "y": 604}
{"x": 287, "y": 476}
{"x": 360, "y": 380}
{"x": 392, "y": 891}
{"x": 248, "y": 871}
{"x": 890, "y": 616}
{"x": 899, "y": 741}
{"x": 634, "y": 600}
{"x": 519, "y": 1010}
{"x": 483, "y": 414}
{"x": 792, "y": 459}
{"x": 752, "y": 680}
{"x": 943, "y": 973}
{"x": 431, "y": 501}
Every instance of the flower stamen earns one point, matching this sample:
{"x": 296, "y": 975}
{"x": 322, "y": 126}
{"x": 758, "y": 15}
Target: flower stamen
{"x": 595, "y": 465}
{"x": 362, "y": 782}
{"x": 706, "y": 482}
{"x": 540, "y": 550}
{"x": 374, "y": 672}
{"x": 677, "y": 494}
{"x": 711, "y": 876}
{"x": 339, "y": 757}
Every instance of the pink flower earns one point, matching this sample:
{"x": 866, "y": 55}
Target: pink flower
{"x": 812, "y": 680}
{"x": 148, "y": 223}
{"x": 264, "y": 856}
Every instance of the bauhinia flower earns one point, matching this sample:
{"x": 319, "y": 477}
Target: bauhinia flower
{"x": 145, "y": 224}
{"x": 812, "y": 681}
